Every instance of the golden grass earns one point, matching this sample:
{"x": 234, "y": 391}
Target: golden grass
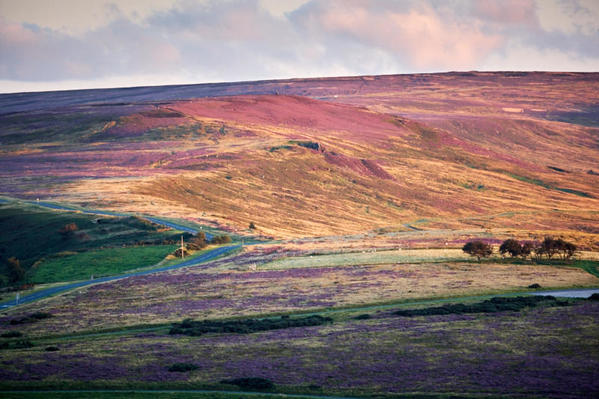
{"x": 455, "y": 170}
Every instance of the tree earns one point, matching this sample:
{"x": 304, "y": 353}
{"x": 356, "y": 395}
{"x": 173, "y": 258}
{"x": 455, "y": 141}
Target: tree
{"x": 478, "y": 248}
{"x": 551, "y": 247}
{"x": 198, "y": 241}
{"x": 15, "y": 271}
{"x": 526, "y": 249}
{"x": 252, "y": 226}
{"x": 511, "y": 246}
{"x": 569, "y": 250}
{"x": 68, "y": 230}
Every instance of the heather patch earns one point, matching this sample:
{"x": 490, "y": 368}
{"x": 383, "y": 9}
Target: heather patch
{"x": 227, "y": 288}
{"x": 551, "y": 350}
{"x": 245, "y": 326}
{"x": 497, "y": 304}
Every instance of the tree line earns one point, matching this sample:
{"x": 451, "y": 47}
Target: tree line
{"x": 549, "y": 248}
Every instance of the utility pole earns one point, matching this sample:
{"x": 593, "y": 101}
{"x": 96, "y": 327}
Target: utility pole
{"x": 182, "y": 249}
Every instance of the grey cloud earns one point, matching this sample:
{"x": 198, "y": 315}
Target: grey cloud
{"x": 238, "y": 40}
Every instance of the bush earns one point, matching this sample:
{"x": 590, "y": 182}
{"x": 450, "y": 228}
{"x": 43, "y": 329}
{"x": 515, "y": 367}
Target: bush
{"x": 68, "y": 230}
{"x": 594, "y": 297}
{"x": 497, "y": 304}
{"x": 182, "y": 367}
{"x": 31, "y": 318}
{"x": 19, "y": 344}
{"x": 40, "y": 315}
{"x": 364, "y": 316}
{"x": 535, "y": 286}
{"x": 245, "y": 326}
{"x": 52, "y": 349}
{"x": 478, "y": 248}
{"x": 250, "y": 382}
{"x": 15, "y": 270}
{"x": 12, "y": 334}
{"x": 198, "y": 241}
{"x": 179, "y": 253}
{"x": 308, "y": 144}
{"x": 224, "y": 239}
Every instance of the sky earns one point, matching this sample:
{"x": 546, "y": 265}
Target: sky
{"x": 73, "y": 44}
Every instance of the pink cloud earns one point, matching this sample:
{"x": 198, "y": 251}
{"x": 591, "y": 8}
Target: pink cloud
{"x": 15, "y": 34}
{"x": 507, "y": 11}
{"x": 420, "y": 36}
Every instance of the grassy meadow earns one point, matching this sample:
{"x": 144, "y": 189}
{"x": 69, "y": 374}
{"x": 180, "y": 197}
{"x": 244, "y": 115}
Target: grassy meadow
{"x": 99, "y": 245}
{"x": 98, "y": 263}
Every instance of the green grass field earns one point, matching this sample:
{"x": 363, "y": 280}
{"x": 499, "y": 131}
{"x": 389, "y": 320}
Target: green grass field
{"x": 370, "y": 258}
{"x": 99, "y": 263}
{"x": 32, "y": 233}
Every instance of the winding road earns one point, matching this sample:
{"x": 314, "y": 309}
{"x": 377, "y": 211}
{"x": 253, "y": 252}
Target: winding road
{"x": 55, "y": 290}
{"x": 109, "y": 213}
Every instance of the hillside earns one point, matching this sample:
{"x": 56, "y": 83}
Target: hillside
{"x": 514, "y": 152}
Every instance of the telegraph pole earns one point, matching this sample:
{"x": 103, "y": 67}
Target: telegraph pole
{"x": 182, "y": 249}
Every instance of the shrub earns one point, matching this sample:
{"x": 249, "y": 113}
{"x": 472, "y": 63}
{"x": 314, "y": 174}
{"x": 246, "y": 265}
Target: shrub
{"x": 179, "y": 253}
{"x": 52, "y": 349}
{"x": 252, "y": 226}
{"x": 12, "y": 334}
{"x": 198, "y": 241}
{"x": 223, "y": 239}
{"x": 40, "y": 315}
{"x": 19, "y": 344}
{"x": 478, "y": 248}
{"x": 535, "y": 286}
{"x": 364, "y": 316}
{"x": 15, "y": 270}
{"x": 250, "y": 382}
{"x": 308, "y": 144}
{"x": 31, "y": 318}
{"x": 68, "y": 230}
{"x": 497, "y": 304}
{"x": 182, "y": 367}
{"x": 245, "y": 326}
{"x": 594, "y": 297}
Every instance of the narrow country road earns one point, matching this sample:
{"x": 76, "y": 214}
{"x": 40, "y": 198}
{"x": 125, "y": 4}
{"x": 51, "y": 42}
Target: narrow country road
{"x": 109, "y": 213}
{"x": 55, "y": 290}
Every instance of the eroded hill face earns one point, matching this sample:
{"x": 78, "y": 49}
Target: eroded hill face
{"x": 480, "y": 150}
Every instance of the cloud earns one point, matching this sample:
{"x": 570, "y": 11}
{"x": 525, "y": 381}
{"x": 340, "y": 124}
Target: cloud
{"x": 420, "y": 37}
{"x": 206, "y": 41}
{"x": 508, "y": 12}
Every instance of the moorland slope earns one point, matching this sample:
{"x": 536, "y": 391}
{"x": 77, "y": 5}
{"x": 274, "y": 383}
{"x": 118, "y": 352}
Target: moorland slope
{"x": 330, "y": 156}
